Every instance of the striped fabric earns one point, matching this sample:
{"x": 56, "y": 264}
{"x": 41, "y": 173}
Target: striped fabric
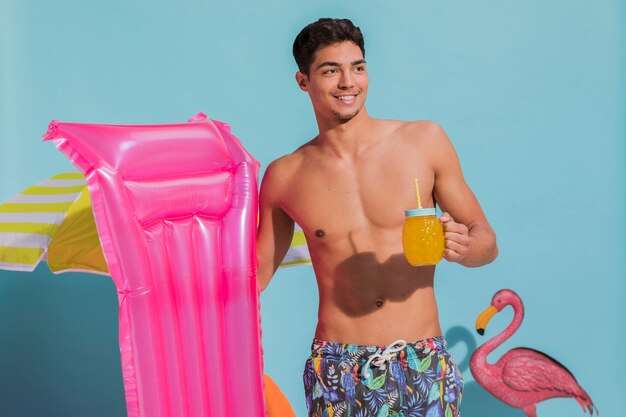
{"x": 29, "y": 220}
{"x": 298, "y": 253}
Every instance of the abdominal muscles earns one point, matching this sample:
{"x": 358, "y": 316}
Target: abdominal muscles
{"x": 370, "y": 294}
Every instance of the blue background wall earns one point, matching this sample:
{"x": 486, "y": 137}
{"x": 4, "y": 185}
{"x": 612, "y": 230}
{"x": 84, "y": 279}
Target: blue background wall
{"x": 532, "y": 95}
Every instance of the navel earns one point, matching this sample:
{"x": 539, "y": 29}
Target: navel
{"x": 320, "y": 233}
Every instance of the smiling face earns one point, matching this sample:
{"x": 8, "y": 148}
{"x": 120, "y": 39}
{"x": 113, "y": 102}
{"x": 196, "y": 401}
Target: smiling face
{"x": 337, "y": 81}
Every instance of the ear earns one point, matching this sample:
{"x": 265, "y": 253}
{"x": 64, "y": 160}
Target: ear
{"x": 303, "y": 81}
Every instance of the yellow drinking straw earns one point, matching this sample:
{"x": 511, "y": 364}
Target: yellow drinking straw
{"x": 417, "y": 192}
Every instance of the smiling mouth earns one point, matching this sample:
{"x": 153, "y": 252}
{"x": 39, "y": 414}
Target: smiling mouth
{"x": 350, "y": 97}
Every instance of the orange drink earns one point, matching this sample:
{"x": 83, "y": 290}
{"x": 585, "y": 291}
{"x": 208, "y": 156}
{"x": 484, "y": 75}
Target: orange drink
{"x": 422, "y": 237}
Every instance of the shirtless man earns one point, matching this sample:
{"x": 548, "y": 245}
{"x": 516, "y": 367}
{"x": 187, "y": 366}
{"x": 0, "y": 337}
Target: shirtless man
{"x": 378, "y": 345}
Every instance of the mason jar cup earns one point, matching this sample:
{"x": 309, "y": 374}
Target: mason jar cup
{"x": 422, "y": 237}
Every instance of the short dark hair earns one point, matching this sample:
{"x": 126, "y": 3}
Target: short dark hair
{"x": 322, "y": 33}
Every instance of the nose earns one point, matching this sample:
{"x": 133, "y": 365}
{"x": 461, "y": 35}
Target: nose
{"x": 346, "y": 81}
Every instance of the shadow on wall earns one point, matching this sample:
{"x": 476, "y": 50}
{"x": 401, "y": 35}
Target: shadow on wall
{"x": 479, "y": 403}
{"x": 476, "y": 401}
{"x": 58, "y": 339}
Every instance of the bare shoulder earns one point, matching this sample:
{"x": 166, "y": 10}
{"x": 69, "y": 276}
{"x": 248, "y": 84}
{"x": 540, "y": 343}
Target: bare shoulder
{"x": 423, "y": 136}
{"x": 280, "y": 174}
{"x": 280, "y": 169}
{"x": 423, "y": 140}
{"x": 425, "y": 132}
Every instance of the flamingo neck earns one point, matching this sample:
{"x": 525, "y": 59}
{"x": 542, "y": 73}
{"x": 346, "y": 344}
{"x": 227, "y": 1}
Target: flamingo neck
{"x": 490, "y": 345}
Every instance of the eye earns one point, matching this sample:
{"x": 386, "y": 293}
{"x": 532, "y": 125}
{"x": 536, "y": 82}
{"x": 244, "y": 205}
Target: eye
{"x": 360, "y": 68}
{"x": 330, "y": 71}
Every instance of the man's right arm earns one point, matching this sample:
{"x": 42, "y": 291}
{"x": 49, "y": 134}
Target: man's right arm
{"x": 275, "y": 230}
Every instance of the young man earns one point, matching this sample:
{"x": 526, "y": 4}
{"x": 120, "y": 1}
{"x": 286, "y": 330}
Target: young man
{"x": 378, "y": 346}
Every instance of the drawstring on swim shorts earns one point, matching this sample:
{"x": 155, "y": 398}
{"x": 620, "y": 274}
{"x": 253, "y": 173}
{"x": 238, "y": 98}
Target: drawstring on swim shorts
{"x": 388, "y": 354}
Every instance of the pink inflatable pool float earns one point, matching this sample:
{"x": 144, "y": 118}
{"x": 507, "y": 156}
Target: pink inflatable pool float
{"x": 176, "y": 211}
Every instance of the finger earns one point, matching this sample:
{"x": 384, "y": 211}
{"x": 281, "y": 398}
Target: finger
{"x": 460, "y": 238}
{"x": 456, "y": 247}
{"x": 455, "y": 227}
{"x": 451, "y": 256}
{"x": 445, "y": 217}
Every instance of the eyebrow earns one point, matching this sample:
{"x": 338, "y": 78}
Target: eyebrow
{"x": 336, "y": 64}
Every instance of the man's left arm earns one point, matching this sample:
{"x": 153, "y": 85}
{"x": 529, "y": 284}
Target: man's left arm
{"x": 470, "y": 240}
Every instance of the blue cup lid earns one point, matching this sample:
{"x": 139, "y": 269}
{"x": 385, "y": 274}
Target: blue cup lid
{"x": 420, "y": 212}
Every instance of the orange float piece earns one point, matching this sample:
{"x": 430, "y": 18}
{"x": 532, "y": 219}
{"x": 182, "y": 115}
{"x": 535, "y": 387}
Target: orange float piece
{"x": 276, "y": 402}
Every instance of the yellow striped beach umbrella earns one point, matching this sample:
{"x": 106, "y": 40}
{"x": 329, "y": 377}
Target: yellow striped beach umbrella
{"x": 53, "y": 221}
{"x": 298, "y": 253}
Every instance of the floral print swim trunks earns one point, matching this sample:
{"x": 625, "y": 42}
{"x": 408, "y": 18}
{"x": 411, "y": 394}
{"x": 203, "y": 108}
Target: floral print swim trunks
{"x": 417, "y": 379}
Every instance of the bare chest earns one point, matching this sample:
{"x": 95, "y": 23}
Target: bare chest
{"x": 339, "y": 198}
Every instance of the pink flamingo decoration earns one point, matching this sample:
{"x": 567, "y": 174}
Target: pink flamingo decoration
{"x": 522, "y": 377}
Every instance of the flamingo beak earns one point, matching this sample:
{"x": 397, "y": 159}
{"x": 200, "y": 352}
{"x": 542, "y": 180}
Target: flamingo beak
{"x": 483, "y": 319}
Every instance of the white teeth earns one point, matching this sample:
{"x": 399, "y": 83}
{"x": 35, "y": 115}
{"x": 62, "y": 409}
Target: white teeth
{"x": 346, "y": 97}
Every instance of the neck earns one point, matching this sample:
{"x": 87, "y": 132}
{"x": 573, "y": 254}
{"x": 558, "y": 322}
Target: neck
{"x": 343, "y": 138}
{"x": 480, "y": 355}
